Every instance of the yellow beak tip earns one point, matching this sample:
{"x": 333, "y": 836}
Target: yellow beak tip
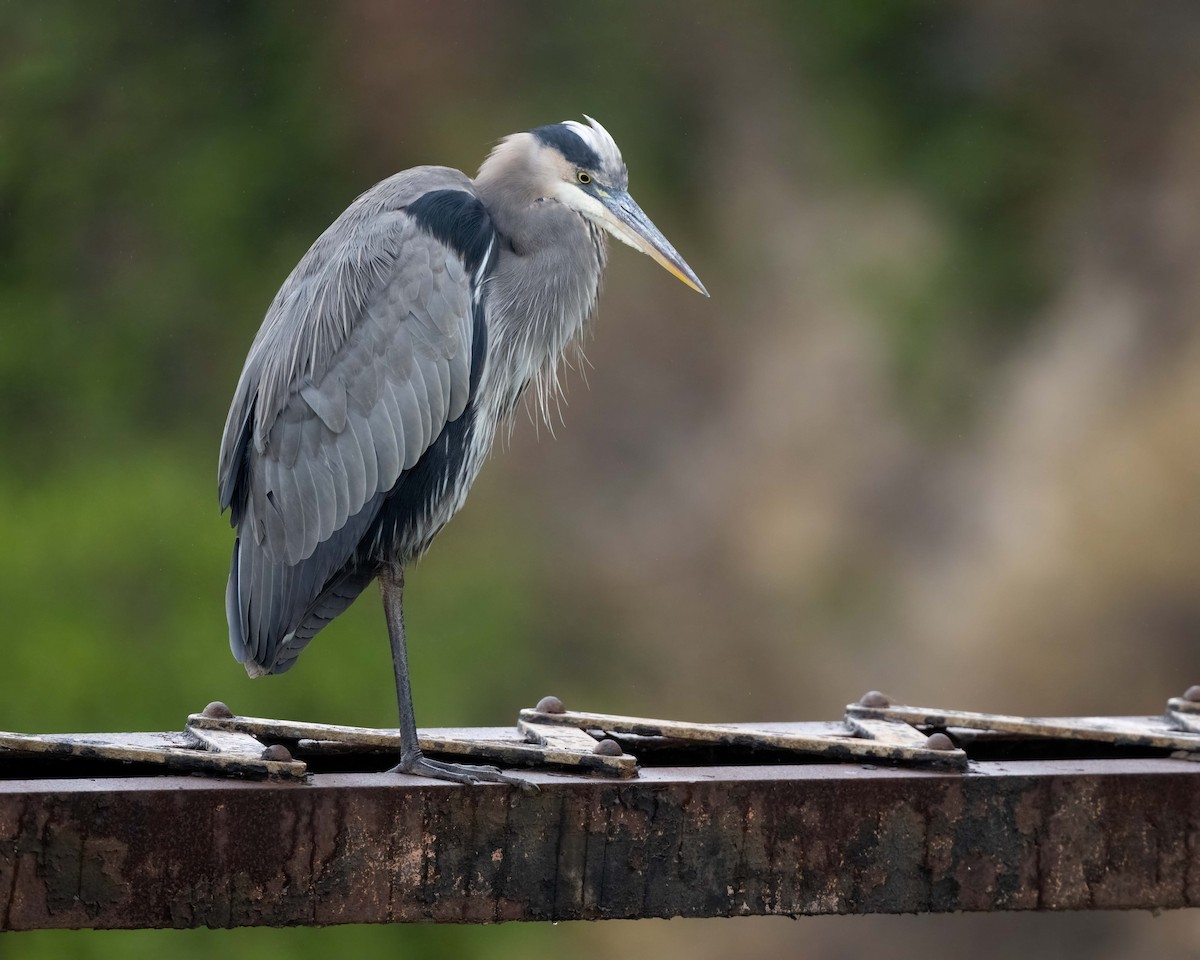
{"x": 694, "y": 284}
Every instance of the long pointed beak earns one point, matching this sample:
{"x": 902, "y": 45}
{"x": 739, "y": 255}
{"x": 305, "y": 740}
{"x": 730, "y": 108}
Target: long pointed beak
{"x": 627, "y": 222}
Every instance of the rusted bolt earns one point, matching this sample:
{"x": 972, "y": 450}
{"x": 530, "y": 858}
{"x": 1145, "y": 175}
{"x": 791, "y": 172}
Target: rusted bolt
{"x": 873, "y": 698}
{"x": 217, "y": 709}
{"x": 1192, "y": 693}
{"x": 277, "y": 751}
{"x": 550, "y": 705}
{"x": 939, "y": 741}
{"x": 608, "y": 747}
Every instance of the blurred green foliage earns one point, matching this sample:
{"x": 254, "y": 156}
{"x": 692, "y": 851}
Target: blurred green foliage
{"x": 162, "y": 167}
{"x": 139, "y": 178}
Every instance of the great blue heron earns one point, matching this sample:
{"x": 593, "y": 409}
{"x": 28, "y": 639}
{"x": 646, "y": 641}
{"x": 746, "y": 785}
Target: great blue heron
{"x": 370, "y": 397}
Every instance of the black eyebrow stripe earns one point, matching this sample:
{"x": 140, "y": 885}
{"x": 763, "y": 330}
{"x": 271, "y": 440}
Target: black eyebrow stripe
{"x": 569, "y": 144}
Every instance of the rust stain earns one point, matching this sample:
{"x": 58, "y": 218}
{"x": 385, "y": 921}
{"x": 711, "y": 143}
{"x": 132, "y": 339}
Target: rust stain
{"x": 715, "y": 841}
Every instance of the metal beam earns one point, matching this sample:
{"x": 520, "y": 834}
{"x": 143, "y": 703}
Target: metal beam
{"x": 178, "y": 851}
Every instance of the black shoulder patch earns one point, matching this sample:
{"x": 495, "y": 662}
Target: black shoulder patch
{"x": 457, "y": 219}
{"x": 569, "y": 144}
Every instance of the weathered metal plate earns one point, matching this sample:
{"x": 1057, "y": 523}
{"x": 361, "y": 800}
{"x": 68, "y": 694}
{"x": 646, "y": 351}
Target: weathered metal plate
{"x": 1189, "y": 722}
{"x": 1125, "y": 731}
{"x": 1183, "y": 714}
{"x": 889, "y": 731}
{"x": 223, "y": 741}
{"x": 134, "y": 748}
{"x": 570, "y": 746}
{"x": 847, "y": 746}
{"x": 363, "y": 738}
{"x": 334, "y": 738}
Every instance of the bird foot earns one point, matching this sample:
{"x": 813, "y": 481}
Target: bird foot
{"x": 422, "y": 766}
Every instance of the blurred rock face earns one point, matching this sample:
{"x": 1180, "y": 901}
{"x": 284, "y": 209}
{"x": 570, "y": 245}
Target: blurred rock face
{"x": 748, "y": 511}
{"x": 759, "y": 519}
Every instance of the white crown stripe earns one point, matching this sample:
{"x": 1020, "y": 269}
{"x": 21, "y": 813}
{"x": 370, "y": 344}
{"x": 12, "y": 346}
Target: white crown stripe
{"x": 599, "y": 139}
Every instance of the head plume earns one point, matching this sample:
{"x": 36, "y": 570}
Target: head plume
{"x": 588, "y": 146}
{"x": 600, "y": 141}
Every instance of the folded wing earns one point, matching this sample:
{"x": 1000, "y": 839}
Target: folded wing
{"x": 365, "y": 356}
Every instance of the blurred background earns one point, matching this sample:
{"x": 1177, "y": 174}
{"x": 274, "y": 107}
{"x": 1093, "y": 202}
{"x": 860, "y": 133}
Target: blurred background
{"x": 934, "y": 433}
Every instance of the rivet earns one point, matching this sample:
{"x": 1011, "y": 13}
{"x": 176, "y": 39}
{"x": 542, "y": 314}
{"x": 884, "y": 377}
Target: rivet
{"x": 277, "y": 751}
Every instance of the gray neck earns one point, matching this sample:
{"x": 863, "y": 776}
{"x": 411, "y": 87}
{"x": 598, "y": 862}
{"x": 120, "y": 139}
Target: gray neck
{"x": 542, "y": 290}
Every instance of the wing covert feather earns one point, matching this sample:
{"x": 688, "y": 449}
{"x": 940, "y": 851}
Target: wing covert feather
{"x": 401, "y": 374}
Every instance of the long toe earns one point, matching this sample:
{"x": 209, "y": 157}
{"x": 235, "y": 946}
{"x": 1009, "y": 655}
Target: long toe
{"x": 461, "y": 773}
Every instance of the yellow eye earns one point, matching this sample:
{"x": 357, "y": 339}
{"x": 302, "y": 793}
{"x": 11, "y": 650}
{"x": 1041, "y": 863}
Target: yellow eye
{"x": 584, "y": 178}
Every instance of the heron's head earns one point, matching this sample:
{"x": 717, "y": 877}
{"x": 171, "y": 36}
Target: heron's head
{"x": 580, "y": 166}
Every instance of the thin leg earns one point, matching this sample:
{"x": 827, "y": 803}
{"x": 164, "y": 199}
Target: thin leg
{"x": 391, "y": 585}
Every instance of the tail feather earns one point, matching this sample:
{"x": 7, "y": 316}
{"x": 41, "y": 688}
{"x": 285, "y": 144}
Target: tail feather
{"x": 334, "y": 600}
{"x": 274, "y": 608}
{"x": 233, "y": 613}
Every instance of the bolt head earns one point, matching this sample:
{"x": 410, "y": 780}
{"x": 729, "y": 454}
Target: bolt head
{"x": 550, "y": 705}
{"x": 277, "y": 751}
{"x": 217, "y": 709}
{"x": 873, "y": 698}
{"x": 939, "y": 741}
{"x": 1192, "y": 693}
{"x": 608, "y": 748}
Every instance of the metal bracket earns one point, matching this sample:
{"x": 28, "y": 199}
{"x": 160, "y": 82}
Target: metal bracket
{"x": 1183, "y": 713}
{"x": 1178, "y": 730}
{"x": 193, "y": 751}
{"x": 543, "y": 744}
{"x": 219, "y": 743}
{"x": 864, "y": 739}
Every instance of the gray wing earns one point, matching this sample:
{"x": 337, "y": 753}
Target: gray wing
{"x": 363, "y": 358}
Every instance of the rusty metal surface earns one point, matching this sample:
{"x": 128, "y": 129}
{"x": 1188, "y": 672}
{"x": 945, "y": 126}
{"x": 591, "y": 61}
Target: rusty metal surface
{"x": 174, "y": 851}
